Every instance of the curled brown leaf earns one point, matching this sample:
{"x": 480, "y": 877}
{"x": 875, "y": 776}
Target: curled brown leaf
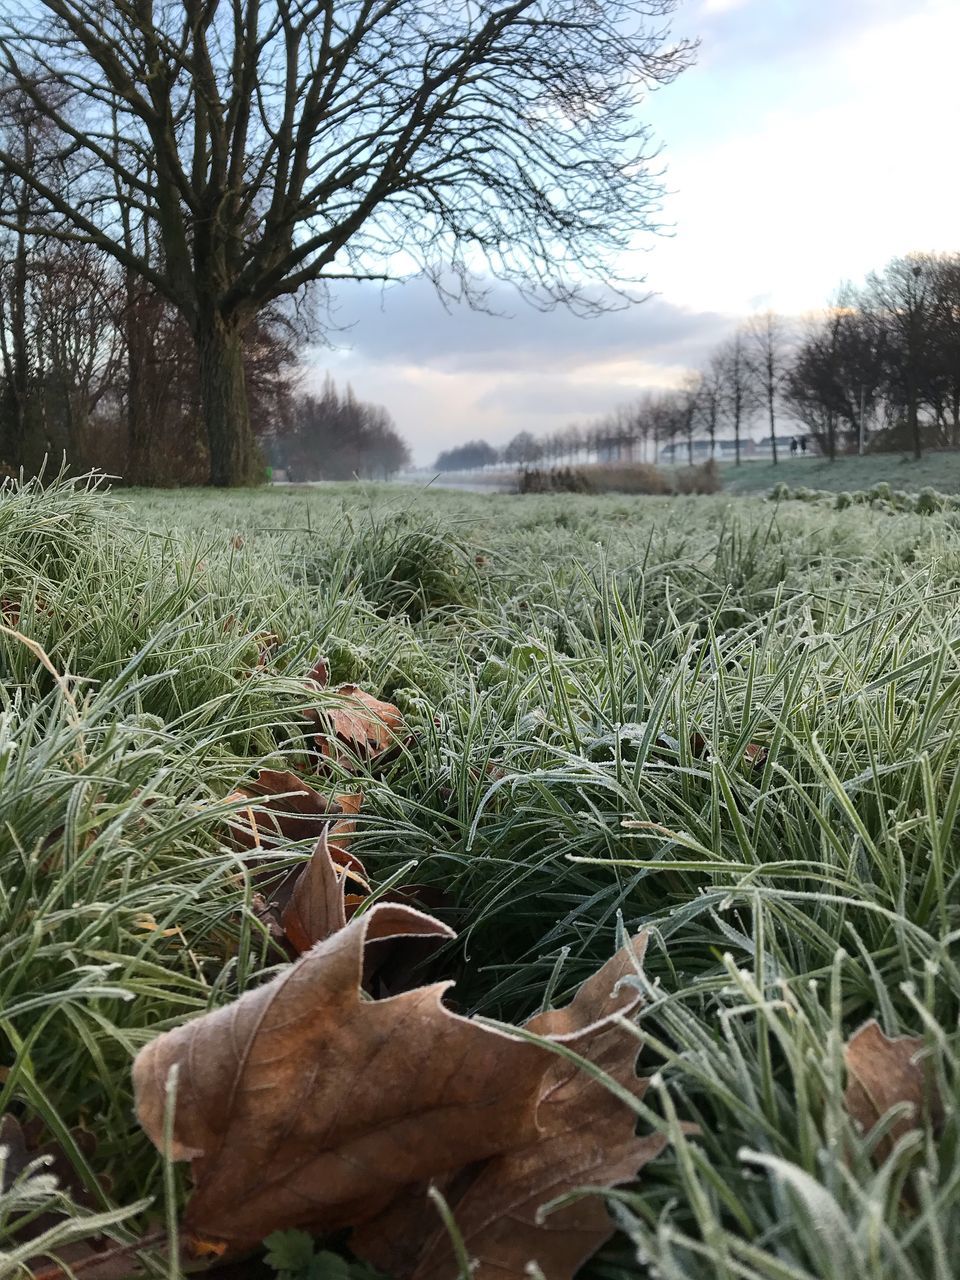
{"x": 585, "y": 1135}
{"x": 355, "y": 727}
{"x": 883, "y": 1072}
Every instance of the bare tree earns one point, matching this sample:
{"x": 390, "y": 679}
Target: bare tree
{"x": 946, "y": 354}
{"x": 271, "y": 146}
{"x": 710, "y": 399}
{"x": 837, "y": 374}
{"x": 77, "y": 301}
{"x": 523, "y": 449}
{"x": 738, "y": 398}
{"x": 768, "y": 353}
{"x": 688, "y": 409}
{"x": 903, "y": 296}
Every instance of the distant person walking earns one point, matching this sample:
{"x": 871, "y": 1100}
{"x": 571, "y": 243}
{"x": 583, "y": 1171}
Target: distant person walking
{"x": 793, "y": 447}
{"x": 803, "y": 444}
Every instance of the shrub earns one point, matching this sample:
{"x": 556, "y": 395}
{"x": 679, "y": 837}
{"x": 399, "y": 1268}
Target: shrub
{"x": 559, "y": 480}
{"x": 928, "y": 502}
{"x": 702, "y": 479}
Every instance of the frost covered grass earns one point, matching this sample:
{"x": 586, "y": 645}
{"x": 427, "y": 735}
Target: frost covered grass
{"x": 555, "y": 657}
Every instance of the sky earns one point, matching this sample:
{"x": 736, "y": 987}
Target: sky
{"x": 812, "y": 141}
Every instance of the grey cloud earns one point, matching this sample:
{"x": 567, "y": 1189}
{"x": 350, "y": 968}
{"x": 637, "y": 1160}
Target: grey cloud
{"x": 548, "y": 398}
{"x": 407, "y": 325}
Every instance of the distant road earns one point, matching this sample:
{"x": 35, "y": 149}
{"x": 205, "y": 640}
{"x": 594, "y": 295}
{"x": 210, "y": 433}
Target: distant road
{"x": 476, "y": 482}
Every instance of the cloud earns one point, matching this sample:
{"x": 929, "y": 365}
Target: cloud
{"x": 805, "y": 148}
{"x": 841, "y": 170}
{"x": 408, "y": 324}
{"x": 710, "y": 7}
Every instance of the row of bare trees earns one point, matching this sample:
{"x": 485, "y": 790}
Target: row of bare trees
{"x": 878, "y": 369}
{"x": 335, "y": 436}
{"x": 882, "y": 367}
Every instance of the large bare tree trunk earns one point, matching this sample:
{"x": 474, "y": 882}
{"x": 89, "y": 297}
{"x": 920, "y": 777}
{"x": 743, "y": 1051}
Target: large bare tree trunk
{"x": 234, "y": 455}
{"x": 139, "y": 427}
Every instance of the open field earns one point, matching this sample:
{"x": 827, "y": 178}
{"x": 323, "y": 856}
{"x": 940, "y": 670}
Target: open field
{"x": 585, "y": 679}
{"x": 936, "y": 470}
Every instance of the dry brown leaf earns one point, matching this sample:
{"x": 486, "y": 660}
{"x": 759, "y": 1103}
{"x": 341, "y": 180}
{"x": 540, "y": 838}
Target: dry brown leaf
{"x": 287, "y": 808}
{"x": 305, "y": 1105}
{"x": 585, "y": 1137}
{"x": 754, "y": 754}
{"x": 277, "y": 816}
{"x": 95, "y": 1256}
{"x": 882, "y": 1072}
{"x": 320, "y": 673}
{"x": 358, "y": 726}
{"x": 316, "y": 906}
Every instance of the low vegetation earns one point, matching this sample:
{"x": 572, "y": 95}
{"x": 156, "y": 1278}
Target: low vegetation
{"x": 927, "y": 502}
{"x": 940, "y": 471}
{"x": 732, "y": 726}
{"x": 632, "y": 478}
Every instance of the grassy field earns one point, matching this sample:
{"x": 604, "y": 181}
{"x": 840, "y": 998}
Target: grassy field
{"x": 937, "y": 470}
{"x": 576, "y": 644}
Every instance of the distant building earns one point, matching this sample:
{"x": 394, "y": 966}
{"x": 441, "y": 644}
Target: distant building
{"x": 725, "y": 449}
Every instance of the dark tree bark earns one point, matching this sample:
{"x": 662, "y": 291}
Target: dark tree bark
{"x": 234, "y": 454}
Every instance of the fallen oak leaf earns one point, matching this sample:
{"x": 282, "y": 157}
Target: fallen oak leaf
{"x": 24, "y": 1154}
{"x": 291, "y": 810}
{"x": 23, "y": 1146}
{"x": 585, "y": 1136}
{"x": 305, "y": 1105}
{"x": 357, "y": 727}
{"x": 883, "y": 1072}
{"x": 754, "y": 754}
{"x": 320, "y": 673}
{"x": 313, "y": 905}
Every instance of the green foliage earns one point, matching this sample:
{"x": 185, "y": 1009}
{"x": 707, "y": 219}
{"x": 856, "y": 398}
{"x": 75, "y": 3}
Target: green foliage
{"x": 881, "y": 497}
{"x": 929, "y": 501}
{"x": 294, "y": 1256}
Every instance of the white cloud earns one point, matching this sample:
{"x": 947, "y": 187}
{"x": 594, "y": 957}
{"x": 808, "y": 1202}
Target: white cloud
{"x": 711, "y": 7}
{"x": 824, "y": 191}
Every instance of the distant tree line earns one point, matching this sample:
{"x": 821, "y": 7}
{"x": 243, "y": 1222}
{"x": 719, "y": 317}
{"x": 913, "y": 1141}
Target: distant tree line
{"x": 467, "y": 457}
{"x": 879, "y": 369}
{"x": 336, "y": 437}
